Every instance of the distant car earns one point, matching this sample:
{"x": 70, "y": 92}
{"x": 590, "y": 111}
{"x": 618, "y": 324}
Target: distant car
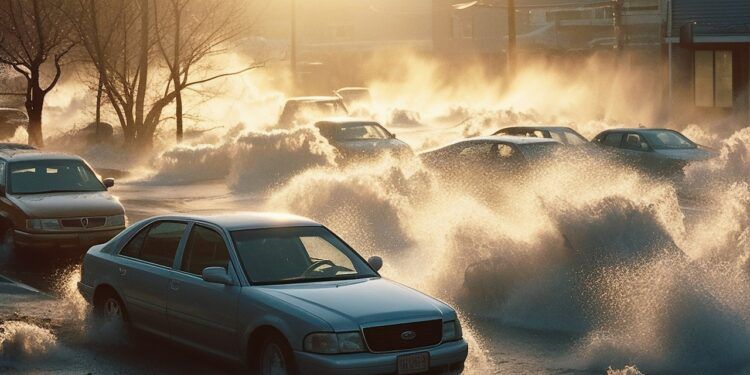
{"x": 306, "y": 109}
{"x": 10, "y": 120}
{"x": 355, "y": 96}
{"x": 661, "y": 151}
{"x": 281, "y": 293}
{"x": 54, "y": 201}
{"x": 562, "y": 134}
{"x": 358, "y": 138}
{"x": 490, "y": 154}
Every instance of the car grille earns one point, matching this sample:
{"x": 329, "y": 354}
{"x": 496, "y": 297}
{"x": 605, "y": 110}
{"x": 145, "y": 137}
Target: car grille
{"x": 389, "y": 338}
{"x": 83, "y": 222}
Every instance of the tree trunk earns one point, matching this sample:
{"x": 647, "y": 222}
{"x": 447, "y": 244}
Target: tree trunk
{"x": 176, "y": 72}
{"x": 143, "y": 67}
{"x": 34, "y": 107}
{"x": 34, "y": 110}
{"x": 99, "y": 89}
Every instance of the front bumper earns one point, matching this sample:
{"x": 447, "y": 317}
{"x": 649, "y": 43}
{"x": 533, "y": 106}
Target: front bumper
{"x": 86, "y": 291}
{"x": 447, "y": 357}
{"x": 64, "y": 239}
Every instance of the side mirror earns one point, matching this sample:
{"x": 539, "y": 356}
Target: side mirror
{"x": 217, "y": 275}
{"x": 108, "y": 182}
{"x": 375, "y": 262}
{"x": 393, "y": 135}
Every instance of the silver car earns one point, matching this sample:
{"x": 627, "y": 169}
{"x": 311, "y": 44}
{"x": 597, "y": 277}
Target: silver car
{"x": 280, "y": 293}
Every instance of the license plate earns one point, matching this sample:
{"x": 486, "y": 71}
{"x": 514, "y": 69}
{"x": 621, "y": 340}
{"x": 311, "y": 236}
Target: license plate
{"x": 413, "y": 363}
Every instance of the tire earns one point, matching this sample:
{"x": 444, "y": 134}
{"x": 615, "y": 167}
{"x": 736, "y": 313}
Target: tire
{"x": 275, "y": 357}
{"x": 109, "y": 307}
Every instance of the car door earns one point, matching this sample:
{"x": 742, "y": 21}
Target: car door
{"x": 201, "y": 313}
{"x": 145, "y": 268}
{"x": 635, "y": 148}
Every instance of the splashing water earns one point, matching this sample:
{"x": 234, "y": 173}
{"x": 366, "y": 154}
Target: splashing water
{"x": 21, "y": 340}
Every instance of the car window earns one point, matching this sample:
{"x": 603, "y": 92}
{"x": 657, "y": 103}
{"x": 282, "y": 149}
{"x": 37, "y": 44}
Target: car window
{"x": 612, "y": 139}
{"x": 2, "y": 173}
{"x": 297, "y": 254}
{"x": 634, "y": 142}
{"x": 205, "y": 248}
{"x": 47, "y": 176}
{"x": 156, "y": 244}
{"x": 474, "y": 151}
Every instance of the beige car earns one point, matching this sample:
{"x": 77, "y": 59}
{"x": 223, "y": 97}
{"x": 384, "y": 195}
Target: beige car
{"x": 54, "y": 201}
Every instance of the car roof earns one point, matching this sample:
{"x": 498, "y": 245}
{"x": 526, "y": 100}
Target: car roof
{"x": 24, "y": 154}
{"x": 510, "y": 139}
{"x": 636, "y": 130}
{"x": 353, "y": 89}
{"x": 314, "y": 99}
{"x": 540, "y": 127}
{"x": 246, "y": 220}
{"x": 346, "y": 120}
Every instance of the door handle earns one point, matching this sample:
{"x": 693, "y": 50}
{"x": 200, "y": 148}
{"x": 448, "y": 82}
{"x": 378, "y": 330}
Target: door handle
{"x": 174, "y": 285}
{"x": 123, "y": 271}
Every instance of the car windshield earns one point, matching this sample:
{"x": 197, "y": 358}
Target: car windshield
{"x": 667, "y": 139}
{"x": 357, "y": 131}
{"x": 49, "y": 176}
{"x": 537, "y": 151}
{"x": 296, "y": 255}
{"x": 568, "y": 137}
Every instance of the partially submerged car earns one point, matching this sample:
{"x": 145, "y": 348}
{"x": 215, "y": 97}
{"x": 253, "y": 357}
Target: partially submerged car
{"x": 53, "y": 201}
{"x": 355, "y": 96}
{"x": 306, "y": 109}
{"x": 562, "y": 134}
{"x": 361, "y": 139}
{"x": 490, "y": 154}
{"x": 10, "y": 120}
{"x": 281, "y": 293}
{"x": 660, "y": 151}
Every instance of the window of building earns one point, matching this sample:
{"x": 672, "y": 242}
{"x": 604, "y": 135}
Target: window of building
{"x": 713, "y": 78}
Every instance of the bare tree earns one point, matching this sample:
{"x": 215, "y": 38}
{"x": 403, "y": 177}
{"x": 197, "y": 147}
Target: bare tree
{"x": 33, "y": 32}
{"x": 142, "y": 69}
{"x": 189, "y": 31}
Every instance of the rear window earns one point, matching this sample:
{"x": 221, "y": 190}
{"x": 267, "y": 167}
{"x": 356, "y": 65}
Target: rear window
{"x": 157, "y": 243}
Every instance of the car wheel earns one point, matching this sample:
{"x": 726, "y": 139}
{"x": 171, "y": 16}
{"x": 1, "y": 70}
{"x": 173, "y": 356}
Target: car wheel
{"x": 275, "y": 357}
{"x": 109, "y": 307}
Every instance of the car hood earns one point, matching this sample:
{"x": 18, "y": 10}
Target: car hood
{"x": 57, "y": 205}
{"x": 686, "y": 154}
{"x": 349, "y": 304}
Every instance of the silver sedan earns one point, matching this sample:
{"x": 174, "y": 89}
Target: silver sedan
{"x": 280, "y": 293}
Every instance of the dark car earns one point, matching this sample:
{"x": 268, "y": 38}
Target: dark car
{"x": 660, "y": 151}
{"x": 562, "y": 134}
{"x": 305, "y": 109}
{"x": 355, "y": 96}
{"x": 490, "y": 154}
{"x": 361, "y": 139}
{"x": 53, "y": 201}
{"x": 10, "y": 120}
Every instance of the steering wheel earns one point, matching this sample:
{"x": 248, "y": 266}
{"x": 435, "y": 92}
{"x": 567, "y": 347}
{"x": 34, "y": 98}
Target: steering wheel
{"x": 316, "y": 265}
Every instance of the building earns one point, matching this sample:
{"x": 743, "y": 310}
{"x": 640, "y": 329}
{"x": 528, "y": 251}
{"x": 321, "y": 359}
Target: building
{"x": 710, "y": 63}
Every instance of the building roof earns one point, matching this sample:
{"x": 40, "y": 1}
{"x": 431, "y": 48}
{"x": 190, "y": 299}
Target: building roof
{"x": 721, "y": 18}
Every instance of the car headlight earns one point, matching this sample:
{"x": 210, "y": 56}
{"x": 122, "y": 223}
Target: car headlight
{"x": 43, "y": 224}
{"x": 334, "y": 343}
{"x": 116, "y": 221}
{"x": 452, "y": 331}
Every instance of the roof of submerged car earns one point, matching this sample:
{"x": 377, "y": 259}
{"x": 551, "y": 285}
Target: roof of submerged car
{"x": 314, "y": 99}
{"x": 511, "y": 139}
{"x": 248, "y": 220}
{"x": 635, "y": 130}
{"x": 346, "y": 120}
{"x": 538, "y": 127}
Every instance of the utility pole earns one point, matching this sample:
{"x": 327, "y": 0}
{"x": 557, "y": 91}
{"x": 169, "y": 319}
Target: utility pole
{"x": 293, "y": 52}
{"x": 617, "y": 10}
{"x": 511, "y": 39}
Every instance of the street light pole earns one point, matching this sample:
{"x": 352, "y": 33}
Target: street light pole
{"x": 511, "y": 39}
{"x": 293, "y": 44}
